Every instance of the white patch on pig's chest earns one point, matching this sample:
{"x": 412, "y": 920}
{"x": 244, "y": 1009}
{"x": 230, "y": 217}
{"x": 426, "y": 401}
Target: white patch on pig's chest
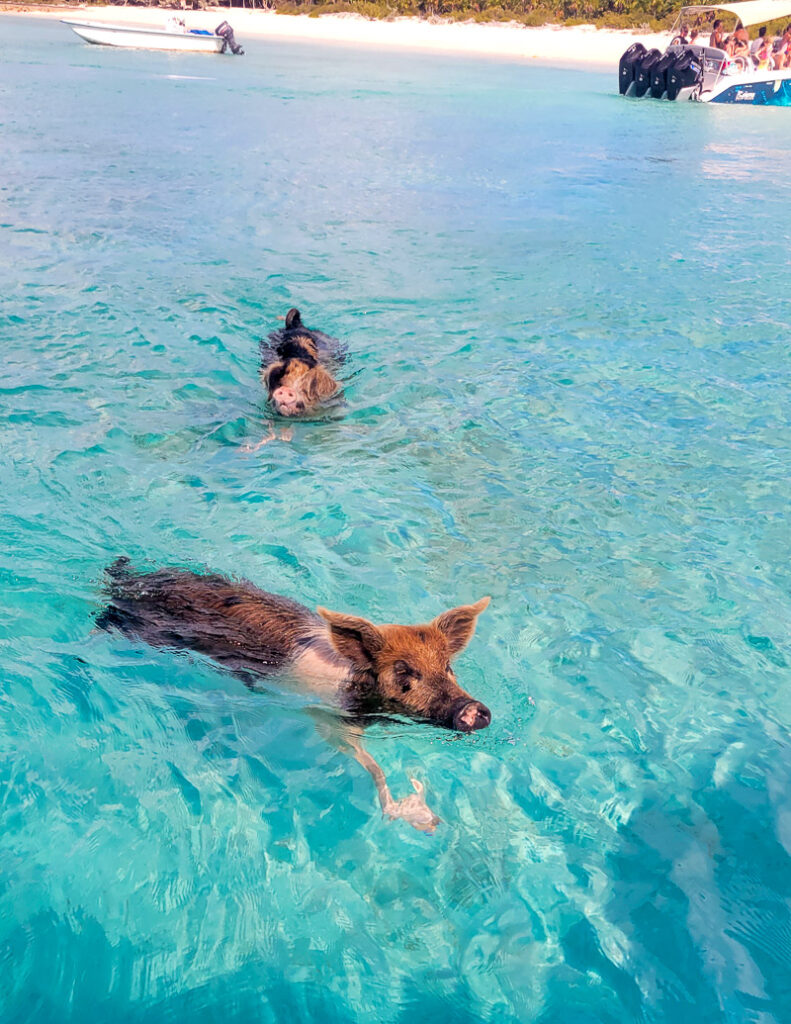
{"x": 322, "y": 671}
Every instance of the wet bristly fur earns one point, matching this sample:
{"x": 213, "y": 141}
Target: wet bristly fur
{"x": 234, "y": 623}
{"x": 304, "y": 360}
{"x": 254, "y": 633}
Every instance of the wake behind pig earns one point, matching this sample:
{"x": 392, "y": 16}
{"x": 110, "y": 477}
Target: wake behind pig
{"x": 298, "y": 368}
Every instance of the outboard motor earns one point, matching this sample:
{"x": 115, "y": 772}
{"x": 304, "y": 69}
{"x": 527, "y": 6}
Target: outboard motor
{"x": 686, "y": 73}
{"x": 659, "y": 74}
{"x": 642, "y": 77}
{"x": 225, "y": 32}
{"x": 628, "y": 66}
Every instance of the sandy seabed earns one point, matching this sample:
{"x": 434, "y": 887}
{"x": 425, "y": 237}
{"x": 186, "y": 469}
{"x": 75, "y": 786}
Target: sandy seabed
{"x": 579, "y": 44}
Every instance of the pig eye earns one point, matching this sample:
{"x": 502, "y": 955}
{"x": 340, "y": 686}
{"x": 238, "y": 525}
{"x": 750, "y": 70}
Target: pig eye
{"x": 402, "y": 669}
{"x": 406, "y": 687}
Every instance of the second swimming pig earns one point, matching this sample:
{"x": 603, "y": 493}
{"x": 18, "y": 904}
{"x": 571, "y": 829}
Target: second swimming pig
{"x": 298, "y": 367}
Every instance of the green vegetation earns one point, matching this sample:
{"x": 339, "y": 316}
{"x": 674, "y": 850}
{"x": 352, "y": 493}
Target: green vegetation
{"x": 655, "y": 14}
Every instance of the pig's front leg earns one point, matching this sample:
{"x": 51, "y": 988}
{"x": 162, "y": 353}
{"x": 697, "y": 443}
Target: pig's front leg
{"x": 286, "y": 434}
{"x": 413, "y": 808}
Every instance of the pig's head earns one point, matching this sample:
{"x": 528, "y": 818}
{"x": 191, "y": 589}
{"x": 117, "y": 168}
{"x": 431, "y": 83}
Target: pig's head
{"x": 296, "y": 388}
{"x": 409, "y": 667}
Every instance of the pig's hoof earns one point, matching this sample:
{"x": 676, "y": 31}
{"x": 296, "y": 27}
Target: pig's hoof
{"x": 415, "y": 811}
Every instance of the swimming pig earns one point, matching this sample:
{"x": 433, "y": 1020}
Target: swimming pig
{"x": 345, "y": 659}
{"x": 297, "y": 368}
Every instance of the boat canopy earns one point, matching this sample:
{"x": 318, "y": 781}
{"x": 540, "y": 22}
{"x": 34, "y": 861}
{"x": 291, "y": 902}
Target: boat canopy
{"x": 749, "y": 12}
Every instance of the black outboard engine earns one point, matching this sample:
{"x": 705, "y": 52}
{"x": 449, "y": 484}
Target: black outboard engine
{"x": 659, "y": 74}
{"x": 685, "y": 73}
{"x": 628, "y": 66}
{"x": 642, "y": 77}
{"x": 225, "y": 32}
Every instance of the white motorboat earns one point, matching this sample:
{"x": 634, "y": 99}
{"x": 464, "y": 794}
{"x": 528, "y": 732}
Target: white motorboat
{"x": 691, "y": 71}
{"x": 174, "y": 37}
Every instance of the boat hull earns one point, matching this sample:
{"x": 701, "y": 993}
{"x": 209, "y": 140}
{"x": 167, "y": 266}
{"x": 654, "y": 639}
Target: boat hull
{"x": 144, "y": 38}
{"x": 756, "y": 90}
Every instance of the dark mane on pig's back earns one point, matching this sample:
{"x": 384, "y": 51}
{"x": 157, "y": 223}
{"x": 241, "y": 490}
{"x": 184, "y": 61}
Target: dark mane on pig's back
{"x": 285, "y": 344}
{"x": 233, "y": 622}
{"x": 301, "y": 348}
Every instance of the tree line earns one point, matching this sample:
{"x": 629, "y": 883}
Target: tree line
{"x": 655, "y": 14}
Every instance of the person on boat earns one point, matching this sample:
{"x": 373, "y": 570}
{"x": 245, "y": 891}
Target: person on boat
{"x": 758, "y": 42}
{"x": 681, "y": 39}
{"x": 693, "y": 35}
{"x": 717, "y": 37}
{"x": 763, "y": 55}
{"x": 781, "y": 48}
{"x": 739, "y": 42}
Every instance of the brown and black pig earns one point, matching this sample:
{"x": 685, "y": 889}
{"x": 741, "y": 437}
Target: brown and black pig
{"x": 298, "y": 368}
{"x": 345, "y": 659}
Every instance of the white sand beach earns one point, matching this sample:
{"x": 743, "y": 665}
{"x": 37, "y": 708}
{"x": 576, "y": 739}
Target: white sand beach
{"x": 579, "y": 44}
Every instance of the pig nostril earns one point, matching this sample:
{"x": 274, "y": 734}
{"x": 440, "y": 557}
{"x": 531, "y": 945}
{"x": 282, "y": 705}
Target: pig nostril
{"x": 471, "y": 716}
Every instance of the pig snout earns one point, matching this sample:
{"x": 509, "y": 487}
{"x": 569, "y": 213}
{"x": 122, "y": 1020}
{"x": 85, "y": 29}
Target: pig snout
{"x": 471, "y": 715}
{"x": 286, "y": 401}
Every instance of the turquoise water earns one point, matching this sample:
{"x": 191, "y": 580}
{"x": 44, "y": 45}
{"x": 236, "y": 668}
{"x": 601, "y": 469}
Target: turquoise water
{"x": 568, "y": 388}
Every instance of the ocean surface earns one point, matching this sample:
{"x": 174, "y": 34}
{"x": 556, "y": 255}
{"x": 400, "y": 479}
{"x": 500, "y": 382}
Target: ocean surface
{"x": 569, "y": 387}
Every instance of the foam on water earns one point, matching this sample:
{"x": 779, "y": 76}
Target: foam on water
{"x": 568, "y": 388}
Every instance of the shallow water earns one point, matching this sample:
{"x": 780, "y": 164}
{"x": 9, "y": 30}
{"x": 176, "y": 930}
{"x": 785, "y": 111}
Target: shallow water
{"x": 568, "y": 388}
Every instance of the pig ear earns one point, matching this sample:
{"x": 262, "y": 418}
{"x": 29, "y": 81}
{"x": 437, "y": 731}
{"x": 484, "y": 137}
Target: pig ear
{"x": 458, "y": 624}
{"x": 356, "y": 639}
